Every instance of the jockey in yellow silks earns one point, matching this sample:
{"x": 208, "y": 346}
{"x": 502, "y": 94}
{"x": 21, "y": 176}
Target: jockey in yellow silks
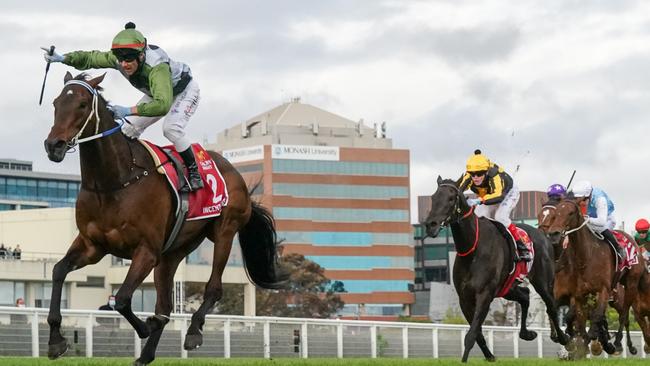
{"x": 497, "y": 195}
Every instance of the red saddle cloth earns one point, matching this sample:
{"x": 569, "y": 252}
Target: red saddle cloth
{"x": 632, "y": 257}
{"x": 207, "y": 201}
{"x": 521, "y": 269}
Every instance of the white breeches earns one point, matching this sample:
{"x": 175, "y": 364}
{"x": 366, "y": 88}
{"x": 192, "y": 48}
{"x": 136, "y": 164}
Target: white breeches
{"x": 183, "y": 107}
{"x": 501, "y": 211}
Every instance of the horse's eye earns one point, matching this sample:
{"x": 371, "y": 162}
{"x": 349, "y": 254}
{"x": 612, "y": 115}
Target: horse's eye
{"x": 83, "y": 105}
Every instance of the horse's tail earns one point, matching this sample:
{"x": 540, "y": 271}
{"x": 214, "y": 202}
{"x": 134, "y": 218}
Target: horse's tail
{"x": 258, "y": 244}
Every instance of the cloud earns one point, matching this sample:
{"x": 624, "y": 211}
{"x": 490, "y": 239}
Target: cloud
{"x": 550, "y": 87}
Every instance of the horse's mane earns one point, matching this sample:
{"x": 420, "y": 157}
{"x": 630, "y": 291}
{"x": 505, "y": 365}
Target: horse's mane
{"x": 449, "y": 181}
{"x": 84, "y": 76}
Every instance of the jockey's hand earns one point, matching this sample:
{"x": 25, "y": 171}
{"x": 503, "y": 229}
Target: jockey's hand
{"x": 119, "y": 111}
{"x": 130, "y": 130}
{"x": 473, "y": 201}
{"x": 54, "y": 57}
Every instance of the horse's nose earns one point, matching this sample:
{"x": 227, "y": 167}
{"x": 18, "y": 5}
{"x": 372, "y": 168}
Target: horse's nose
{"x": 55, "y": 149}
{"x": 554, "y": 236}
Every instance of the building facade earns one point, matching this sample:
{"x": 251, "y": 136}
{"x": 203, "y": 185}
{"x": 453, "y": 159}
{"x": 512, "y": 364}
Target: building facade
{"x": 340, "y": 195}
{"x": 23, "y": 188}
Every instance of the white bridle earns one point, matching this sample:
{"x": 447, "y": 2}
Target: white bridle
{"x": 94, "y": 111}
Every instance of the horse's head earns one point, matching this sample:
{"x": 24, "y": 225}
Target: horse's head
{"x": 545, "y": 218}
{"x": 567, "y": 216}
{"x": 73, "y": 109}
{"x": 444, "y": 204}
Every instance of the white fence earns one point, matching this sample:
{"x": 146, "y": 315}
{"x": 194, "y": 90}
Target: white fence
{"x": 24, "y": 332}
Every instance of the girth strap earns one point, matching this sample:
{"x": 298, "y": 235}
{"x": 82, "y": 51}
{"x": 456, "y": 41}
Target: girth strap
{"x": 182, "y": 207}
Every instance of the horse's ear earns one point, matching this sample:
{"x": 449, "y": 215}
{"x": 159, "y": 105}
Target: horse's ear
{"x": 94, "y": 82}
{"x": 67, "y": 77}
{"x": 439, "y": 180}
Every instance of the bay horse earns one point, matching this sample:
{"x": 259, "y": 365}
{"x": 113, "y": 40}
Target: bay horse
{"x": 125, "y": 209}
{"x": 590, "y": 266}
{"x": 641, "y": 307}
{"x": 483, "y": 262}
{"x": 564, "y": 284}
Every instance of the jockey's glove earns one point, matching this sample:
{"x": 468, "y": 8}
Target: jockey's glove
{"x": 473, "y": 201}
{"x": 54, "y": 57}
{"x": 119, "y": 111}
{"x": 130, "y": 130}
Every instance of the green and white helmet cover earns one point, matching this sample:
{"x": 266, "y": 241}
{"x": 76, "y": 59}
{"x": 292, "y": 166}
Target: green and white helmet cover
{"x": 129, "y": 38}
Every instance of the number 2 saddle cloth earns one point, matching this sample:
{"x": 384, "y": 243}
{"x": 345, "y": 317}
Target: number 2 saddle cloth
{"x": 203, "y": 203}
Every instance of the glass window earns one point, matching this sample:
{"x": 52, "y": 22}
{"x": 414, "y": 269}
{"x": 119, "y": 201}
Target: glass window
{"x": 62, "y": 189}
{"x": 32, "y": 190}
{"x": 6, "y": 293}
{"x": 73, "y": 190}
{"x": 12, "y": 187}
{"x": 435, "y": 274}
{"x": 3, "y": 186}
{"x": 51, "y": 189}
{"x": 432, "y": 252}
{"x": 345, "y": 238}
{"x": 340, "y": 167}
{"x": 367, "y": 286}
{"x": 340, "y": 191}
{"x": 250, "y": 168}
{"x": 21, "y": 187}
{"x": 92, "y": 281}
{"x": 361, "y": 262}
{"x": 340, "y": 214}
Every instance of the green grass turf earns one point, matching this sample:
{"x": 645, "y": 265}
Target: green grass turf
{"x": 24, "y": 361}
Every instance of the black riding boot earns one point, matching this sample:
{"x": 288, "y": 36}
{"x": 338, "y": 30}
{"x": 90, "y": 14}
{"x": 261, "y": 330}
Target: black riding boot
{"x": 524, "y": 253}
{"x": 607, "y": 234}
{"x": 194, "y": 178}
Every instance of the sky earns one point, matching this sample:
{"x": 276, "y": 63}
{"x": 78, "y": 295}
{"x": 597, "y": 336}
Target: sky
{"x": 545, "y": 86}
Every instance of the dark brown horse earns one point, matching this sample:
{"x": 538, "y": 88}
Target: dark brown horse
{"x": 484, "y": 260}
{"x": 125, "y": 209}
{"x": 589, "y": 263}
{"x": 641, "y": 307}
{"x": 564, "y": 284}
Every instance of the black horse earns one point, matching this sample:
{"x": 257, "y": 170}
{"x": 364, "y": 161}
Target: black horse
{"x": 484, "y": 260}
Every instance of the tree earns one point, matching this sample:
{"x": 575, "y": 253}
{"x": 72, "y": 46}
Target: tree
{"x": 309, "y": 294}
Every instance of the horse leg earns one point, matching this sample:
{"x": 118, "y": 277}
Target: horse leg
{"x": 630, "y": 345}
{"x": 579, "y": 321}
{"x": 619, "y": 333}
{"x": 522, "y": 296}
{"x": 480, "y": 340}
{"x": 643, "y": 324}
{"x": 222, "y": 239}
{"x": 570, "y": 322}
{"x": 557, "y": 335}
{"x": 142, "y": 263}
{"x": 483, "y": 300}
{"x": 164, "y": 281}
{"x": 82, "y": 252}
{"x": 599, "y": 322}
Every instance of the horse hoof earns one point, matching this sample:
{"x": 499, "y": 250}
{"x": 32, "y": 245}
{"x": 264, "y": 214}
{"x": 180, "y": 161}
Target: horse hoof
{"x": 632, "y": 350}
{"x": 618, "y": 348}
{"x": 491, "y": 359}
{"x": 609, "y": 348}
{"x": 57, "y": 350}
{"x": 596, "y": 348}
{"x": 138, "y": 362}
{"x": 527, "y": 335}
{"x": 193, "y": 341}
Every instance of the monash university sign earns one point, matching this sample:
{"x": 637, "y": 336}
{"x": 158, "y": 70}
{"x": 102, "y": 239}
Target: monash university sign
{"x": 244, "y": 154}
{"x": 305, "y": 152}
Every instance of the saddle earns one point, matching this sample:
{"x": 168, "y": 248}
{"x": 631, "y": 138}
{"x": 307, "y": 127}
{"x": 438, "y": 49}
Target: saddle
{"x": 520, "y": 270}
{"x": 204, "y": 203}
{"x": 631, "y": 252}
